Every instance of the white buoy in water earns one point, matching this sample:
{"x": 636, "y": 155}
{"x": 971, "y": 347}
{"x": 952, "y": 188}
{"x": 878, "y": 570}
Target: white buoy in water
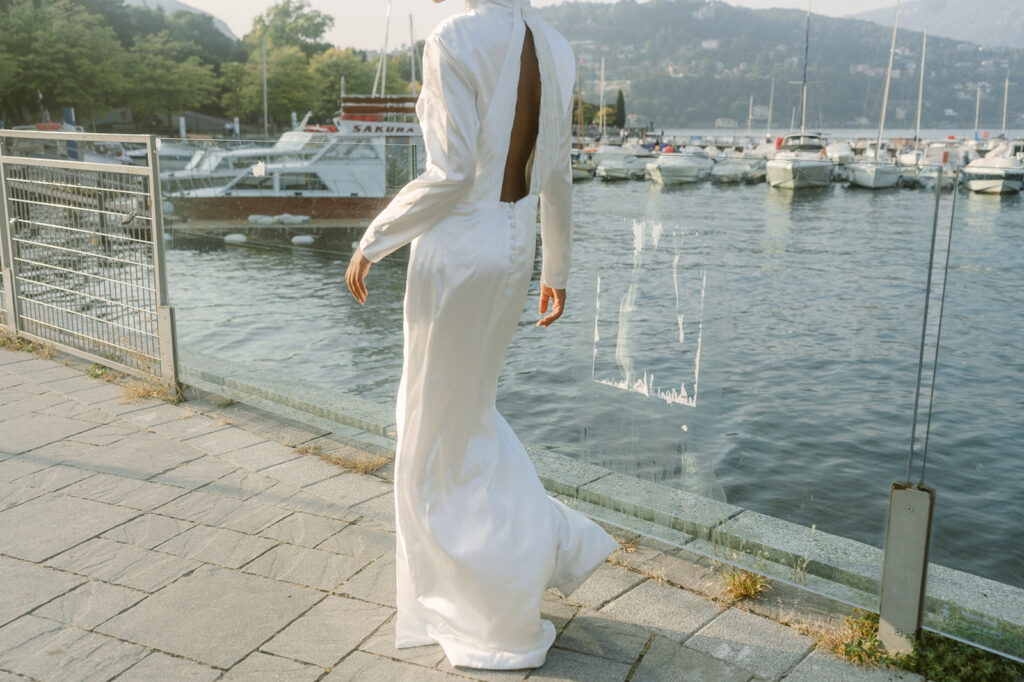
{"x": 235, "y": 238}
{"x": 168, "y": 208}
{"x": 303, "y": 240}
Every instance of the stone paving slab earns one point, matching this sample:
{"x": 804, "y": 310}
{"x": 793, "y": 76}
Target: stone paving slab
{"x": 11, "y": 495}
{"x": 240, "y": 484}
{"x": 218, "y": 546}
{"x": 72, "y": 409}
{"x": 199, "y": 616}
{"x": 215, "y": 510}
{"x": 261, "y": 667}
{"x": 148, "y": 530}
{"x": 125, "y": 492}
{"x": 89, "y": 604}
{"x": 24, "y": 586}
{"x": 600, "y": 635}
{"x": 160, "y": 666}
{"x": 196, "y": 473}
{"x": 670, "y": 661}
{"x": 764, "y": 647}
{"x": 38, "y": 648}
{"x": 360, "y": 541}
{"x": 348, "y": 489}
{"x": 32, "y": 430}
{"x": 363, "y": 666}
{"x": 328, "y": 631}
{"x": 30, "y": 532}
{"x": 225, "y": 440}
{"x": 668, "y": 610}
{"x": 302, "y": 566}
{"x": 187, "y": 427}
{"x": 302, "y": 471}
{"x": 303, "y": 529}
{"x": 562, "y": 665}
{"x": 382, "y": 643}
{"x": 106, "y": 434}
{"x": 127, "y": 565}
{"x": 603, "y": 585}
{"x": 262, "y": 455}
{"x": 54, "y": 477}
{"x": 374, "y": 583}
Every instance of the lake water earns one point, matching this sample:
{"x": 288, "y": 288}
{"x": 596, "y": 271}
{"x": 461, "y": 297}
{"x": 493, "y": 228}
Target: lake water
{"x": 750, "y": 344}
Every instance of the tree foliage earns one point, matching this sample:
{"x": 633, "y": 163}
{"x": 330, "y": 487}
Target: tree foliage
{"x": 97, "y": 55}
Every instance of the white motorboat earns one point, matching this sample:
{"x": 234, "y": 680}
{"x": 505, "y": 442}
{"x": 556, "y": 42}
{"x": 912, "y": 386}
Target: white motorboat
{"x": 1000, "y": 171}
{"x": 582, "y": 167}
{"x": 677, "y": 168}
{"x": 623, "y": 162}
{"x": 739, "y": 168}
{"x": 947, "y": 156}
{"x": 875, "y": 174}
{"x": 800, "y": 162}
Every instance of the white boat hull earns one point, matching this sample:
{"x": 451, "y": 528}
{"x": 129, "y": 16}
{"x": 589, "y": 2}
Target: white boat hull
{"x": 799, "y": 173}
{"x": 680, "y": 172}
{"x": 993, "y": 180}
{"x": 874, "y": 175}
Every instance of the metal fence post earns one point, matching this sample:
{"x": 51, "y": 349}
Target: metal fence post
{"x": 7, "y": 251}
{"x": 165, "y": 313}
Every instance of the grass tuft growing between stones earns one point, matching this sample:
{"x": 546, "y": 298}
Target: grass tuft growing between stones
{"x": 935, "y": 657}
{"x": 360, "y": 462}
{"x": 136, "y": 390}
{"x": 743, "y": 584}
{"x": 17, "y": 343}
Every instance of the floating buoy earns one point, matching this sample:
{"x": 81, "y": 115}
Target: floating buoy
{"x": 168, "y": 208}
{"x": 235, "y": 238}
{"x": 303, "y": 240}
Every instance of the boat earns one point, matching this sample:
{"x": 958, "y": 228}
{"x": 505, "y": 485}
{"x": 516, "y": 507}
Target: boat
{"x": 1000, "y": 171}
{"x": 677, "y": 168}
{"x": 623, "y": 162}
{"x": 800, "y": 162}
{"x": 342, "y": 181}
{"x": 582, "y": 167}
{"x": 735, "y": 168}
{"x": 878, "y": 173}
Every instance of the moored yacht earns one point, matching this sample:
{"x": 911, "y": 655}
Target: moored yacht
{"x": 676, "y": 168}
{"x": 800, "y": 162}
{"x": 1000, "y": 171}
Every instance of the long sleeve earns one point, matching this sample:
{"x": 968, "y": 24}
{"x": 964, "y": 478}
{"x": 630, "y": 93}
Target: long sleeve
{"x": 446, "y": 109}
{"x": 556, "y": 214}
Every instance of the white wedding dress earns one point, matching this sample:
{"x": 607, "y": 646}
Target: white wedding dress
{"x": 478, "y": 538}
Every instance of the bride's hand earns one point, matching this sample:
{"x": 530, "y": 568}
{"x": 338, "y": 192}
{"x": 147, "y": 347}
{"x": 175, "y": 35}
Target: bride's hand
{"x": 355, "y": 276}
{"x": 557, "y": 297}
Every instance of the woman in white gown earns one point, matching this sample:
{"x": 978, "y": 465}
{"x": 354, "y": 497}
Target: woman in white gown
{"x": 478, "y": 538}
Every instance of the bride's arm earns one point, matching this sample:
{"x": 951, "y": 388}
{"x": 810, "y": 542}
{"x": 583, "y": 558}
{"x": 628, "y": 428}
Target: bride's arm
{"x": 556, "y": 214}
{"x": 447, "y": 113}
{"x": 556, "y": 229}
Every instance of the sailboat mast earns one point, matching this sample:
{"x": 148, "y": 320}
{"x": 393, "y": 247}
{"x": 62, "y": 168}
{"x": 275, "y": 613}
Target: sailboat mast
{"x": 602, "y": 100}
{"x": 1006, "y": 98}
{"x": 412, "y": 55}
{"x": 807, "y": 45}
{"x": 382, "y": 65}
{"x": 750, "y": 115}
{"x": 579, "y": 106}
{"x": 977, "y": 109}
{"x": 888, "y": 77}
{"x": 771, "y": 101}
{"x": 920, "y": 90}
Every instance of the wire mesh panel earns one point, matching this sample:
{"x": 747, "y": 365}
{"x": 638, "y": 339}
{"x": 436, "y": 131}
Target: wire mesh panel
{"x": 85, "y": 242}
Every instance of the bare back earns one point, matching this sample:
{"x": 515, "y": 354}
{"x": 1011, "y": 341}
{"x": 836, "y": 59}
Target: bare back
{"x": 516, "y": 181}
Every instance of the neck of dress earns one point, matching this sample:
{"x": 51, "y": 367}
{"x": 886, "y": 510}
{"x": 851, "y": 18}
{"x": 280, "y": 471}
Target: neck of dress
{"x": 473, "y": 4}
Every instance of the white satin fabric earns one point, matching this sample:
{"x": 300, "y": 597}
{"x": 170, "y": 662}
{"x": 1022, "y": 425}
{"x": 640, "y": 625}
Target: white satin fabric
{"x": 478, "y": 538}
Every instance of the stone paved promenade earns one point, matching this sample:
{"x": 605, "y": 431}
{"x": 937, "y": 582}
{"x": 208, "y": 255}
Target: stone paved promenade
{"x": 149, "y": 541}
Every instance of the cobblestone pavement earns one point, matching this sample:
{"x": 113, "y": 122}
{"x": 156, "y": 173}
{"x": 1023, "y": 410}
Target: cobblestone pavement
{"x": 149, "y": 541}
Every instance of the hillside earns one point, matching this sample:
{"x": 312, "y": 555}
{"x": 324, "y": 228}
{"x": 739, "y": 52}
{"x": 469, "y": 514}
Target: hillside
{"x": 690, "y": 62}
{"x": 172, "y": 6}
{"x": 992, "y": 23}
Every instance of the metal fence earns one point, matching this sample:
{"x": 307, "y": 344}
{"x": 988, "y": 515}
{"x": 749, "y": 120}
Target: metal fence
{"x": 82, "y": 250}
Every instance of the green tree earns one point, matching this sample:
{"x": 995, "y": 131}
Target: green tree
{"x": 291, "y": 23}
{"x": 290, "y": 85}
{"x": 327, "y": 69}
{"x": 62, "y": 50}
{"x": 167, "y": 78}
{"x": 620, "y": 110}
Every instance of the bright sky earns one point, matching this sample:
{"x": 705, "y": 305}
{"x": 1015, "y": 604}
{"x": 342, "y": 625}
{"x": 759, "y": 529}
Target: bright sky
{"x": 360, "y": 23}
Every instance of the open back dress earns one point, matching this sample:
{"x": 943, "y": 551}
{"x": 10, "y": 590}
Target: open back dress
{"x": 479, "y": 540}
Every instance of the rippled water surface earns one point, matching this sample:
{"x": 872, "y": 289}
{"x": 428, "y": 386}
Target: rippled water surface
{"x": 742, "y": 342}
